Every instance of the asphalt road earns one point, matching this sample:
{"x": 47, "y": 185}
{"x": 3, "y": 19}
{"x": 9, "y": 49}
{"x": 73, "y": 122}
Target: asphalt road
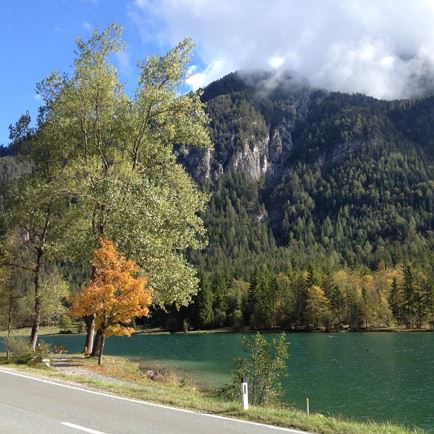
{"x": 38, "y": 406}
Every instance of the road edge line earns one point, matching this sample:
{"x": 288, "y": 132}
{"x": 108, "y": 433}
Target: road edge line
{"x": 152, "y": 404}
{"x": 81, "y": 428}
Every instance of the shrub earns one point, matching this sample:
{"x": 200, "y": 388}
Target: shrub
{"x": 65, "y": 324}
{"x": 81, "y": 327}
{"x": 264, "y": 367}
{"x": 17, "y": 345}
{"x": 22, "y": 353}
{"x": 237, "y": 319}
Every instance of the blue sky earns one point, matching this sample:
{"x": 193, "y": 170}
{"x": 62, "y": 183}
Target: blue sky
{"x": 38, "y": 36}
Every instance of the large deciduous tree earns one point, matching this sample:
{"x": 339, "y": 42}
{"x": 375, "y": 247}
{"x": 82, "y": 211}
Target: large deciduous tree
{"x": 38, "y": 219}
{"x": 121, "y": 169}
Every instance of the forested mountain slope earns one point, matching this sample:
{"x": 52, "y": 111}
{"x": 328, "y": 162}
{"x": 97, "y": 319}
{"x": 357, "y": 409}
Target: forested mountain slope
{"x": 307, "y": 180}
{"x": 346, "y": 175}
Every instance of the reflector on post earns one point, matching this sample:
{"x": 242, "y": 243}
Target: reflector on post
{"x": 244, "y": 393}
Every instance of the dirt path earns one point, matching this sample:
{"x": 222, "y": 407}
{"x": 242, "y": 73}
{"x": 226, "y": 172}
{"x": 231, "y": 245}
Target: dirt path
{"x": 73, "y": 366}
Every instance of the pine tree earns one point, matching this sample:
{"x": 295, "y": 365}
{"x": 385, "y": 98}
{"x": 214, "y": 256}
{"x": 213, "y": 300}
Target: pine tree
{"x": 395, "y": 301}
{"x": 204, "y": 306}
{"x": 408, "y": 292}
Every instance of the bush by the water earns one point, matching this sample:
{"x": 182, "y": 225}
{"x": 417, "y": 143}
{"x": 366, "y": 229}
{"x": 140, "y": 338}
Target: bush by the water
{"x": 66, "y": 324}
{"x": 264, "y": 366}
{"x": 81, "y": 327}
{"x": 22, "y": 353}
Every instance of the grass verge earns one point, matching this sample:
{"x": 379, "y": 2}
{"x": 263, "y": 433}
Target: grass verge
{"x": 43, "y": 331}
{"x": 123, "y": 377}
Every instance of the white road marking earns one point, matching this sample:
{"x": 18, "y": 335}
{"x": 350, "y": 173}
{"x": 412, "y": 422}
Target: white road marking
{"x": 151, "y": 404}
{"x": 81, "y": 428}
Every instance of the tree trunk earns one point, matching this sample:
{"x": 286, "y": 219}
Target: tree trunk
{"x": 90, "y": 325}
{"x": 90, "y": 335}
{"x": 97, "y": 344}
{"x": 9, "y": 322}
{"x": 101, "y": 350}
{"x": 38, "y": 306}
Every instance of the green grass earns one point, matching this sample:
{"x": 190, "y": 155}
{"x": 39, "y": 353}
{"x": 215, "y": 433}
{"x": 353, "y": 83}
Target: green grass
{"x": 43, "y": 331}
{"x": 177, "y": 393}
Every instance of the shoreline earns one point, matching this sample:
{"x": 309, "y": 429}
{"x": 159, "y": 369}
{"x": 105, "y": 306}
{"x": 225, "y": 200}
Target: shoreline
{"x": 122, "y": 377}
{"x": 24, "y": 332}
{"x": 247, "y": 330}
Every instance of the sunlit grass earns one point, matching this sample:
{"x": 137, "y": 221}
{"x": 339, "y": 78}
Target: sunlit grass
{"x": 43, "y": 330}
{"x": 25, "y": 331}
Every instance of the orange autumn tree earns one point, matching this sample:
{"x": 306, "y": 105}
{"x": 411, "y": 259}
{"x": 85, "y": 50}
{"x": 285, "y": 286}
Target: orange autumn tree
{"x": 116, "y": 294}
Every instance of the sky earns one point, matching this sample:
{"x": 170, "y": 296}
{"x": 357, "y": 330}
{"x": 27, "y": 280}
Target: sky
{"x": 384, "y": 48}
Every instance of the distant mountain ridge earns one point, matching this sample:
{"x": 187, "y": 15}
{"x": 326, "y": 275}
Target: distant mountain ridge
{"x": 256, "y": 129}
{"x": 347, "y": 175}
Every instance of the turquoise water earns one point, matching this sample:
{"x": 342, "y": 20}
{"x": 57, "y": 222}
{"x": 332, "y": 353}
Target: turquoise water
{"x": 375, "y": 376}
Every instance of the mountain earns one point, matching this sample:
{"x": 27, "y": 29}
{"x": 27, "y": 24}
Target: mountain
{"x": 300, "y": 176}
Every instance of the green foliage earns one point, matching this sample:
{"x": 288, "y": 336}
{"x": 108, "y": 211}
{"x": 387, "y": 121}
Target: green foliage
{"x": 54, "y": 293}
{"x": 264, "y": 366}
{"x": 23, "y": 354}
{"x": 234, "y": 122}
{"x": 120, "y": 169}
{"x": 349, "y": 199}
{"x": 318, "y": 311}
{"x": 354, "y": 185}
{"x": 12, "y": 169}
{"x": 11, "y": 296}
{"x": 204, "y": 303}
{"x": 81, "y": 327}
{"x": 65, "y": 324}
{"x": 17, "y": 345}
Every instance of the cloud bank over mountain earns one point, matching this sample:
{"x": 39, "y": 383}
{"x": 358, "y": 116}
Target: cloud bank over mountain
{"x": 384, "y": 48}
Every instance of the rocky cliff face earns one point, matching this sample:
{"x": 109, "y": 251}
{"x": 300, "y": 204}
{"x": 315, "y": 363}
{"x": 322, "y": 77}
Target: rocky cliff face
{"x": 263, "y": 134}
{"x": 252, "y": 158}
{"x": 258, "y": 158}
{"x": 252, "y": 133}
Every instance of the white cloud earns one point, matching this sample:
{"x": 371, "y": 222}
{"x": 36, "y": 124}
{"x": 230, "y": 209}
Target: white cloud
{"x": 213, "y": 71}
{"x": 276, "y": 61}
{"x": 379, "y": 47}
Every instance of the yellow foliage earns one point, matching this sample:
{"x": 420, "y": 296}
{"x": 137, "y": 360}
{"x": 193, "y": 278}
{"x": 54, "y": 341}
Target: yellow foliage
{"x": 317, "y": 306}
{"x": 116, "y": 294}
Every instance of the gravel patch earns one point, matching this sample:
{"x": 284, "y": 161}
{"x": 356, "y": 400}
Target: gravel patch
{"x": 73, "y": 367}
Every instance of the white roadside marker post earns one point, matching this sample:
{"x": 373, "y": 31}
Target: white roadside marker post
{"x": 307, "y": 406}
{"x": 244, "y": 393}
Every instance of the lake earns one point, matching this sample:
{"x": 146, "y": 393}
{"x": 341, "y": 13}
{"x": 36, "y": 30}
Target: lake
{"x": 376, "y": 376}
